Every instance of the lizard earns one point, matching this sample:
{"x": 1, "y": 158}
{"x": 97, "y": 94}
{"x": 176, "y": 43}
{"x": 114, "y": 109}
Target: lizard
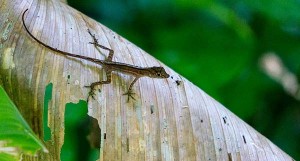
{"x": 108, "y": 64}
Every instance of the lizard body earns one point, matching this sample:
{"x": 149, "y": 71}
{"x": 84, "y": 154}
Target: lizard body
{"x": 108, "y": 64}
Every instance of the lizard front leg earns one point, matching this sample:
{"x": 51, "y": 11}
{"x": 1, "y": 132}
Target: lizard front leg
{"x": 129, "y": 93}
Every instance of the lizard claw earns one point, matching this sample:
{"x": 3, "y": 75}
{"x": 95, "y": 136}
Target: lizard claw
{"x": 94, "y": 43}
{"x": 129, "y": 93}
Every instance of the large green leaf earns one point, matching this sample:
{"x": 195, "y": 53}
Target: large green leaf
{"x": 16, "y": 136}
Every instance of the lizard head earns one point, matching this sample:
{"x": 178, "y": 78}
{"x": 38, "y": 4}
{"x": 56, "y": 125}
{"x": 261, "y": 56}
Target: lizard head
{"x": 158, "y": 72}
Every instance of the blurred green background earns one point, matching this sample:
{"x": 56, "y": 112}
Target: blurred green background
{"x": 218, "y": 45}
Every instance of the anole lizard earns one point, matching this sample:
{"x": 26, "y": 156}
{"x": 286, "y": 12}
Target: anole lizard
{"x": 109, "y": 65}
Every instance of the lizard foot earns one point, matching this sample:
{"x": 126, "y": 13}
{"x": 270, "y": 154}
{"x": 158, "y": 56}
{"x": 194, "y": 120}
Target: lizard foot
{"x": 91, "y": 92}
{"x": 130, "y": 94}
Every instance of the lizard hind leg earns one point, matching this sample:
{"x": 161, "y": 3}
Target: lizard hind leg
{"x": 96, "y": 44}
{"x": 94, "y": 84}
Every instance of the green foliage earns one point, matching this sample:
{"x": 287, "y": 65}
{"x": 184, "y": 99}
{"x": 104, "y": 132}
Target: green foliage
{"x": 217, "y": 45}
{"x": 16, "y": 137}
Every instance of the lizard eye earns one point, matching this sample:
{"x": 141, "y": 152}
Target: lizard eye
{"x": 158, "y": 74}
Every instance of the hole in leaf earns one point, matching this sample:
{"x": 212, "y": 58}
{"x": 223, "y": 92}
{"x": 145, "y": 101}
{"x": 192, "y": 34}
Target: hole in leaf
{"x": 47, "y": 98}
{"x": 76, "y": 146}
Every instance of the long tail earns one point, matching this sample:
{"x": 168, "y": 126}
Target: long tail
{"x": 55, "y": 49}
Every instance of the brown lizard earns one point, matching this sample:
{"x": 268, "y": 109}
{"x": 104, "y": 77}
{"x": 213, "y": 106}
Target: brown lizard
{"x": 108, "y": 65}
